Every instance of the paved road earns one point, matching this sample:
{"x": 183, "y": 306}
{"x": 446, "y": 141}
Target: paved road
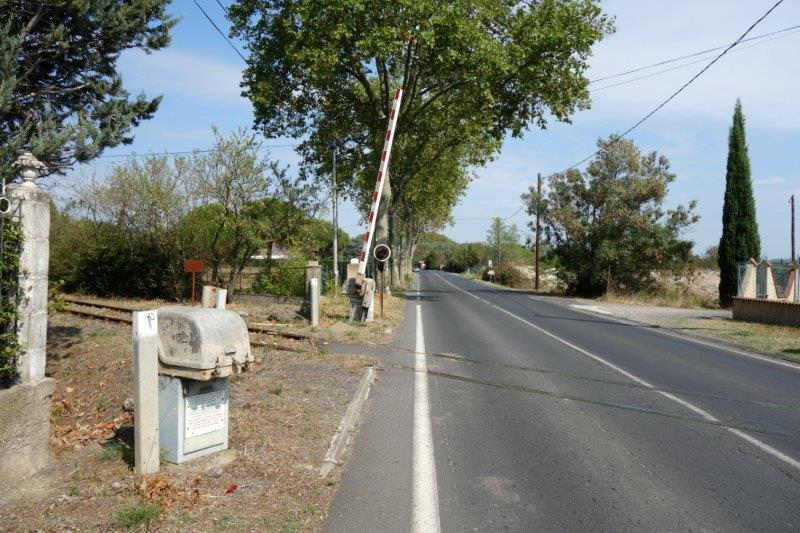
{"x": 528, "y": 415}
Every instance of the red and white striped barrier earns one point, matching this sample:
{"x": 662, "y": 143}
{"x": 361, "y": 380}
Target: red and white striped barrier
{"x": 376, "y": 194}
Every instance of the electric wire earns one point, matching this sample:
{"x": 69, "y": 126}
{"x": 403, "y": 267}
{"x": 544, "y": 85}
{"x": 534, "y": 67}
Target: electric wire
{"x": 235, "y": 49}
{"x": 689, "y": 56}
{"x": 685, "y": 85}
{"x": 183, "y": 152}
{"x": 683, "y": 65}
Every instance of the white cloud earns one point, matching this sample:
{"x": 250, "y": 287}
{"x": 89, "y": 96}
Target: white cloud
{"x": 770, "y": 181}
{"x": 764, "y": 74}
{"x": 178, "y": 74}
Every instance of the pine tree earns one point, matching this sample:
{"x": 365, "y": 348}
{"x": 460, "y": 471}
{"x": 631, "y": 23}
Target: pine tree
{"x": 740, "y": 240}
{"x": 60, "y": 94}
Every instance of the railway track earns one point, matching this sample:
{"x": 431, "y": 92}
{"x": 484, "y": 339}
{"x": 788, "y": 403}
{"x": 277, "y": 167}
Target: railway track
{"x": 121, "y": 314}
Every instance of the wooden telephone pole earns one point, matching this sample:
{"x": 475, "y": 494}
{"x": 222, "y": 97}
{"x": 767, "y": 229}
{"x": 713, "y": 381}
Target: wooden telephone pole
{"x": 791, "y": 201}
{"x": 538, "y": 222}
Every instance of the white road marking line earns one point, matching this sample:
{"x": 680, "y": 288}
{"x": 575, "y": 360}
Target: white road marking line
{"x": 425, "y": 515}
{"x": 705, "y": 414}
{"x": 677, "y": 335}
{"x": 593, "y": 308}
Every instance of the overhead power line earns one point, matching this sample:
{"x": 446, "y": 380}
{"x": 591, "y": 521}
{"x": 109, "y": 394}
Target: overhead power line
{"x": 685, "y": 85}
{"x": 689, "y": 56}
{"x": 235, "y": 49}
{"x": 184, "y": 152}
{"x": 684, "y": 65}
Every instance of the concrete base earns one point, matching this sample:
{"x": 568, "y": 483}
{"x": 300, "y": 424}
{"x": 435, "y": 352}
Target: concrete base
{"x": 24, "y": 430}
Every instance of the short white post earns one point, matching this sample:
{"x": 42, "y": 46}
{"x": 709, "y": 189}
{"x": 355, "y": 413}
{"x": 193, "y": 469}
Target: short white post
{"x": 222, "y": 297}
{"x": 145, "y": 392}
{"x": 209, "y": 296}
{"x": 368, "y": 312}
{"x": 314, "y": 282}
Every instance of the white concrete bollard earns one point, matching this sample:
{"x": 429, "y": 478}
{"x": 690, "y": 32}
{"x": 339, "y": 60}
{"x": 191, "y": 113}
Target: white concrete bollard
{"x": 209, "y": 296}
{"x": 145, "y": 392}
{"x": 315, "y": 294}
{"x": 222, "y": 297}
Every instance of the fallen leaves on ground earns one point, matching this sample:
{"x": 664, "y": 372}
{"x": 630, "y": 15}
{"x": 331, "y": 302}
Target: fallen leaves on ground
{"x": 165, "y": 493}
{"x": 77, "y": 435}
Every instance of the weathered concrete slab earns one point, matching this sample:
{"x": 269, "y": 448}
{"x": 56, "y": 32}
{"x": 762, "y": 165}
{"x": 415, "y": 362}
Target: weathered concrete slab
{"x": 24, "y": 430}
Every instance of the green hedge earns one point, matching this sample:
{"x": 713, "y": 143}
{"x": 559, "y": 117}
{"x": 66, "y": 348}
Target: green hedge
{"x": 284, "y": 278}
{"x": 10, "y": 246}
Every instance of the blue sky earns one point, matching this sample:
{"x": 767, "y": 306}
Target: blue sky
{"x": 199, "y": 76}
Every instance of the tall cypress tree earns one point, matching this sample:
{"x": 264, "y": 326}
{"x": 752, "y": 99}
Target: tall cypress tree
{"x": 740, "y": 239}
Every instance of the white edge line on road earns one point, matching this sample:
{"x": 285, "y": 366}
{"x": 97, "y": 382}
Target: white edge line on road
{"x": 425, "y": 513}
{"x": 705, "y": 414}
{"x": 592, "y": 308}
{"x": 677, "y": 335}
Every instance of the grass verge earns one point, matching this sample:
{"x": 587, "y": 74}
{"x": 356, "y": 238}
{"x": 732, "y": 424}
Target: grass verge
{"x": 781, "y": 341}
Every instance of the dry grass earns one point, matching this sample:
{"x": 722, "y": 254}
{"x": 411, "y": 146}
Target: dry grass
{"x": 281, "y": 440}
{"x": 334, "y": 324}
{"x": 662, "y": 297}
{"x": 781, "y": 341}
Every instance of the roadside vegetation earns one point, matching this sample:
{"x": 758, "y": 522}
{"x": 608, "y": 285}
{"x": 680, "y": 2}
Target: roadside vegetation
{"x": 129, "y": 234}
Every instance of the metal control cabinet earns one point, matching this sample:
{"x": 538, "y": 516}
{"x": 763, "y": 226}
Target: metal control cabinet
{"x": 192, "y": 417}
{"x": 199, "y": 348}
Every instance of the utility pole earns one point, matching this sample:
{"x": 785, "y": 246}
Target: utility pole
{"x": 538, "y": 222}
{"x": 791, "y": 201}
{"x": 335, "y": 228}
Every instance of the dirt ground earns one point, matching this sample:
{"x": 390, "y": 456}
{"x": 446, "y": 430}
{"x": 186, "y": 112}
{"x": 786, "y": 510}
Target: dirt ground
{"x": 283, "y": 413}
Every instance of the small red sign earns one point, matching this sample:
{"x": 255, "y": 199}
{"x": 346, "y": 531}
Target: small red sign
{"x": 193, "y": 265}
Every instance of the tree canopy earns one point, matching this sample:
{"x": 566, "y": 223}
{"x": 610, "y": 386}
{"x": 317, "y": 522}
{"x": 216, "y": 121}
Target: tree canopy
{"x": 472, "y": 72}
{"x": 60, "y": 94}
{"x": 607, "y": 226}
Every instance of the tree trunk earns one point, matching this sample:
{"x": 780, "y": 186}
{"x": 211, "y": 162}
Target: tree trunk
{"x": 382, "y": 223}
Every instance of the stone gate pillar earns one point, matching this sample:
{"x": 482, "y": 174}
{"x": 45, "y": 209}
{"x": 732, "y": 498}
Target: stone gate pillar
{"x": 33, "y": 206}
{"x": 25, "y": 407}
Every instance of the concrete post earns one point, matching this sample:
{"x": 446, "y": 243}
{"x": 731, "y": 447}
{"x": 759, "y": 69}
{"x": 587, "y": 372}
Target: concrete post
{"x": 145, "y": 392}
{"x": 314, "y": 287}
{"x": 367, "y": 302}
{"x": 209, "y": 297}
{"x": 221, "y": 298}
{"x": 313, "y": 271}
{"x": 349, "y": 288}
{"x": 33, "y": 206}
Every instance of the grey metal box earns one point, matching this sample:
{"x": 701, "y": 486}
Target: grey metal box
{"x": 202, "y": 344}
{"x": 193, "y": 417}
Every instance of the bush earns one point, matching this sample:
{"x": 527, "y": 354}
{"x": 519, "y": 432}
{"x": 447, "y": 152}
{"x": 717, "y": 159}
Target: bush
{"x": 130, "y": 268}
{"x": 287, "y": 278}
{"x": 508, "y": 275}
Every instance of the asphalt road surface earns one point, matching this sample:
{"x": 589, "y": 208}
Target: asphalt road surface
{"x": 501, "y": 411}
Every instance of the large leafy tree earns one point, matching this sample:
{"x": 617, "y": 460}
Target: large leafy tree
{"x": 60, "y": 94}
{"x": 250, "y": 202}
{"x": 607, "y": 226}
{"x": 472, "y": 72}
{"x": 740, "y": 240}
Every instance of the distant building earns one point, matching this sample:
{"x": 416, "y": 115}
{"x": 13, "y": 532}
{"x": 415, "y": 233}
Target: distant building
{"x": 279, "y": 253}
